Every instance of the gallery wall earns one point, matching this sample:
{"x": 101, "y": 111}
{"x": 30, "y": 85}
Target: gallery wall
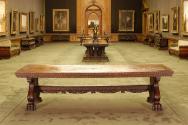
{"x": 164, "y": 6}
{"x": 77, "y": 12}
{"x": 117, "y": 5}
{"x": 37, "y": 6}
{"x": 60, "y": 4}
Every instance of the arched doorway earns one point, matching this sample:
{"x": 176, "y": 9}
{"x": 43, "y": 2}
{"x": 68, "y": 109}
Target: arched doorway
{"x": 93, "y": 16}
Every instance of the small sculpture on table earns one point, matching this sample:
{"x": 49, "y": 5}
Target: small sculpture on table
{"x": 95, "y": 33}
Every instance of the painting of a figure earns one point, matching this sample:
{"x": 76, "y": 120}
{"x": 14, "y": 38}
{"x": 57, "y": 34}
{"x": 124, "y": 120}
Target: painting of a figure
{"x": 31, "y": 22}
{"x": 42, "y": 23}
{"x": 23, "y": 22}
{"x": 185, "y": 16}
{"x": 150, "y": 22}
{"x": 164, "y": 23}
{"x": 14, "y": 21}
{"x": 126, "y": 20}
{"x": 175, "y": 20}
{"x": 37, "y": 26}
{"x": 2, "y": 17}
{"x": 156, "y": 21}
{"x": 60, "y": 20}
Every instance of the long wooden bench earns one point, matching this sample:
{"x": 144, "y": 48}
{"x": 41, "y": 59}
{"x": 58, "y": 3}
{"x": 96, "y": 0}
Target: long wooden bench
{"x": 34, "y": 72}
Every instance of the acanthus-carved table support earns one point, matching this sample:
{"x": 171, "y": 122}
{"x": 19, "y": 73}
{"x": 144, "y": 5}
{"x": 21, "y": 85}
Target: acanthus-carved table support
{"x": 154, "y": 93}
{"x": 95, "y": 52}
{"x": 33, "y": 94}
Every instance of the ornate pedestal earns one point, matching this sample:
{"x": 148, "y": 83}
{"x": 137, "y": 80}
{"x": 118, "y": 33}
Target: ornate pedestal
{"x": 95, "y": 51}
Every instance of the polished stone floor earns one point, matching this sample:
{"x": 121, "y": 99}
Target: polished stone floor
{"x": 94, "y": 109}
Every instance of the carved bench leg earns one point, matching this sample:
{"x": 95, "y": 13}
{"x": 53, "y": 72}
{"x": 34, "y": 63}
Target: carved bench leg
{"x": 150, "y": 99}
{"x": 30, "y": 97}
{"x": 155, "y": 94}
{"x": 38, "y": 99}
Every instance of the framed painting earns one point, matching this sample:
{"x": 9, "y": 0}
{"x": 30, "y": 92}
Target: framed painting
{"x": 42, "y": 23}
{"x": 31, "y": 22}
{"x": 60, "y": 19}
{"x": 126, "y": 20}
{"x": 23, "y": 22}
{"x": 150, "y": 22}
{"x": 175, "y": 20}
{"x": 164, "y": 23}
{"x": 185, "y": 17}
{"x": 2, "y": 17}
{"x": 156, "y": 21}
{"x": 37, "y": 25}
{"x": 14, "y": 22}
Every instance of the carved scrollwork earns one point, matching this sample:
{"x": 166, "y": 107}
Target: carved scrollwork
{"x": 94, "y": 89}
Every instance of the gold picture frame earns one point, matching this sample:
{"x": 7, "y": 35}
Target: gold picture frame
{"x": 175, "y": 20}
{"x": 23, "y": 22}
{"x": 60, "y": 20}
{"x": 42, "y": 23}
{"x": 150, "y": 22}
{"x": 3, "y": 17}
{"x": 126, "y": 20}
{"x": 157, "y": 21}
{"x": 14, "y": 22}
{"x": 37, "y": 25}
{"x": 185, "y": 17}
{"x": 31, "y": 22}
{"x": 165, "y": 23}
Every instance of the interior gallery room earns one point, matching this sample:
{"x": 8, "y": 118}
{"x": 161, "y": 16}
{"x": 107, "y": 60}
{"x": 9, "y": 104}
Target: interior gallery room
{"x": 93, "y": 62}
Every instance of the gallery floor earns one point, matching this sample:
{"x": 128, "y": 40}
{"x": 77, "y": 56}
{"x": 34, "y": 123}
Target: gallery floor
{"x": 94, "y": 109}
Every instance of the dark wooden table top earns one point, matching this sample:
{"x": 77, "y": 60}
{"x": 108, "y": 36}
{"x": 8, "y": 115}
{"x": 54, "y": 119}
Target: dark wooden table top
{"x": 100, "y": 42}
{"x": 93, "y": 71}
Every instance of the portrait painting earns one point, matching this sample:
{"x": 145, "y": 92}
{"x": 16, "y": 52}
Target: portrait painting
{"x": 60, "y": 19}
{"x": 31, "y": 22}
{"x": 175, "y": 20}
{"x": 164, "y": 23}
{"x": 2, "y": 17}
{"x": 156, "y": 21}
{"x": 185, "y": 17}
{"x": 23, "y": 22}
{"x": 14, "y": 22}
{"x": 37, "y": 25}
{"x": 126, "y": 20}
{"x": 42, "y": 23}
{"x": 150, "y": 22}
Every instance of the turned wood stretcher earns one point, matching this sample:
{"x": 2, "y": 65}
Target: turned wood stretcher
{"x": 34, "y": 72}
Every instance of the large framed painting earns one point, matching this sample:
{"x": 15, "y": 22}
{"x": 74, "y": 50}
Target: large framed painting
{"x": 126, "y": 20}
{"x": 2, "y": 17}
{"x": 150, "y": 22}
{"x": 23, "y": 22}
{"x": 175, "y": 20}
{"x": 37, "y": 25}
{"x": 185, "y": 17}
{"x": 60, "y": 19}
{"x": 31, "y": 22}
{"x": 14, "y": 22}
{"x": 164, "y": 23}
{"x": 156, "y": 21}
{"x": 42, "y": 23}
